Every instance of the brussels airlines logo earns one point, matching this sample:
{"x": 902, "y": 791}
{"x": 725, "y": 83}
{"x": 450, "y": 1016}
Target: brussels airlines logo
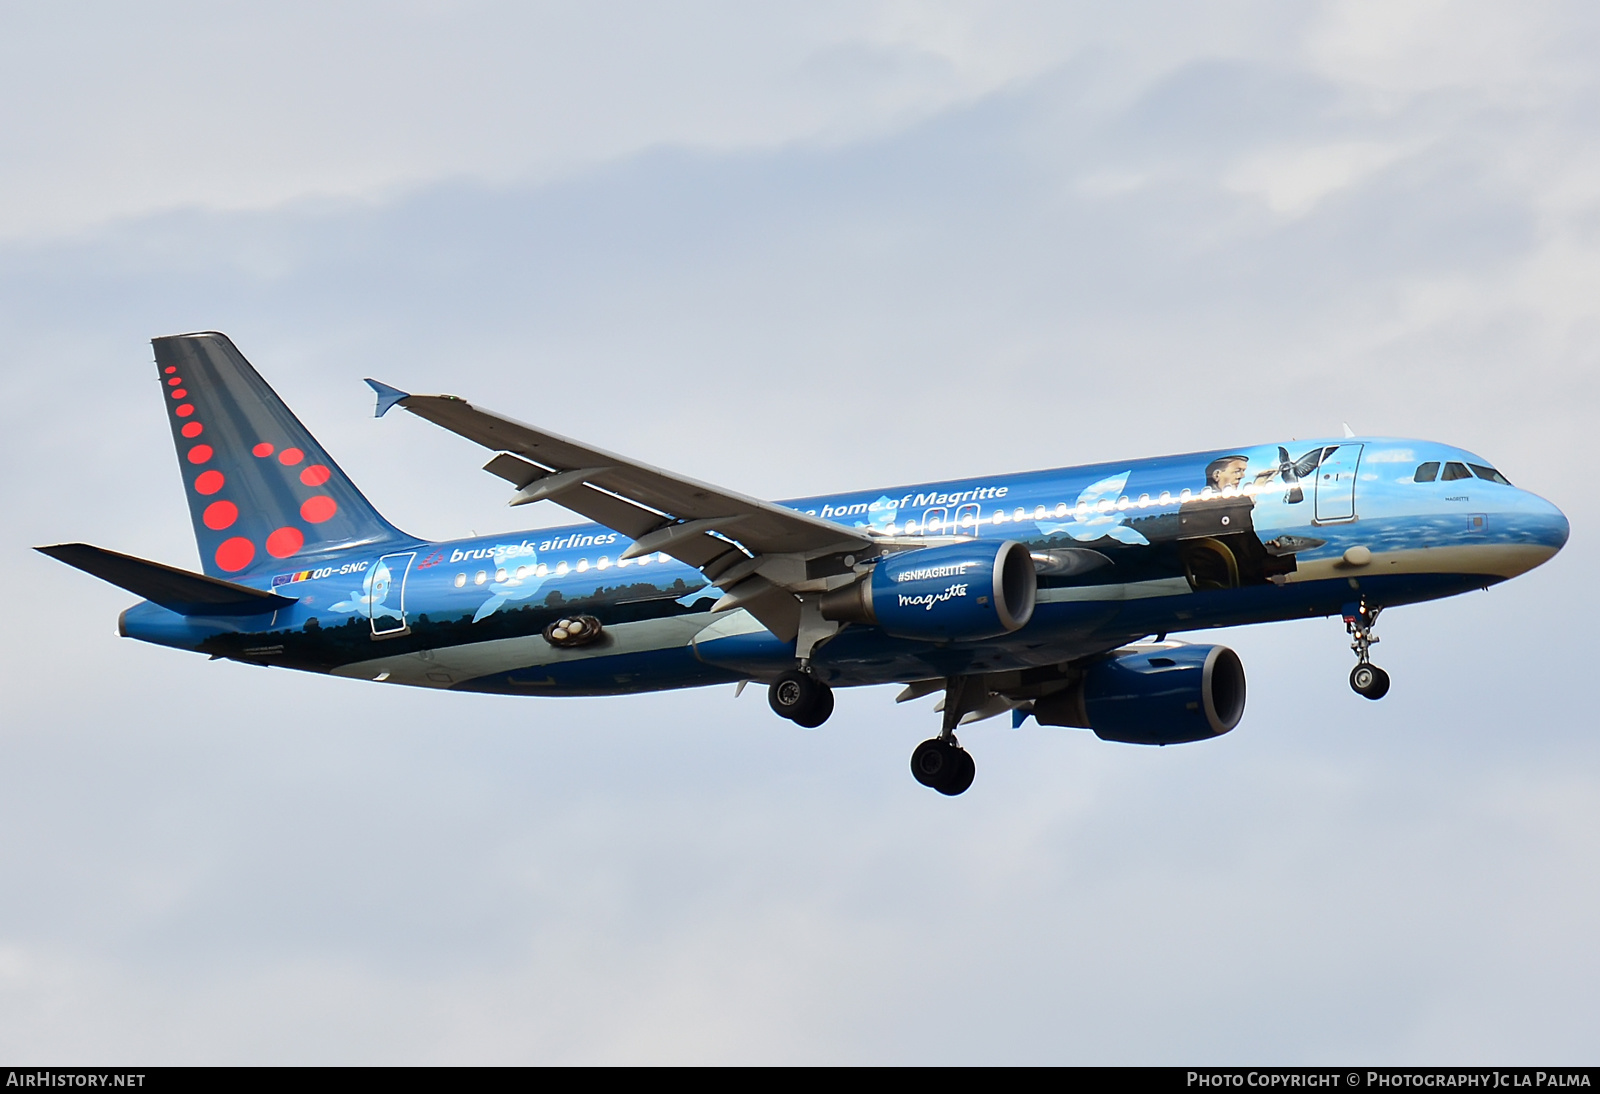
{"x": 928, "y": 600}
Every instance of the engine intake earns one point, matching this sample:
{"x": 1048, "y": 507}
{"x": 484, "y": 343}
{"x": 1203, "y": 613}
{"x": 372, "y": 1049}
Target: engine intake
{"x": 1153, "y": 696}
{"x": 959, "y": 592}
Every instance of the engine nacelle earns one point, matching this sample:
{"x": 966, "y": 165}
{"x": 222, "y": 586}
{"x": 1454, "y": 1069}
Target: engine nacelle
{"x": 957, "y": 593}
{"x": 1154, "y": 696}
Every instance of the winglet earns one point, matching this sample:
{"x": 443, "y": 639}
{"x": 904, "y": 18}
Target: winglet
{"x": 387, "y": 396}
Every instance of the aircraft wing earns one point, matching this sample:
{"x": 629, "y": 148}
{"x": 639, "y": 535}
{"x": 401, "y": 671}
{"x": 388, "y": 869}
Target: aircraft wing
{"x": 703, "y": 525}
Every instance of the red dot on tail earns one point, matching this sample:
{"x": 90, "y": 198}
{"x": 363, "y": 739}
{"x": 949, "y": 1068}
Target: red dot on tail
{"x": 185, "y": 410}
{"x": 220, "y": 515}
{"x": 209, "y": 482}
{"x": 291, "y": 456}
{"x": 315, "y": 475}
{"x": 175, "y": 381}
{"x": 318, "y": 509}
{"x": 170, "y": 369}
{"x": 285, "y": 542}
{"x": 235, "y": 554}
{"x": 200, "y": 453}
{"x": 179, "y": 393}
{"x": 193, "y": 429}
{"x": 262, "y": 449}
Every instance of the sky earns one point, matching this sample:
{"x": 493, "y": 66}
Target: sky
{"x": 793, "y": 249}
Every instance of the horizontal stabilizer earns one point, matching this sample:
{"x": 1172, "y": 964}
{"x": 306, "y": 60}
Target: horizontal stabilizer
{"x": 174, "y": 589}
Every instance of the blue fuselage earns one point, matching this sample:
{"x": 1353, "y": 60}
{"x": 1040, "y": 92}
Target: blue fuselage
{"x": 1123, "y": 550}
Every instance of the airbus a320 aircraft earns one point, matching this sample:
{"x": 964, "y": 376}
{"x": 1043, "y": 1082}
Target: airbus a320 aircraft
{"x": 1029, "y": 595}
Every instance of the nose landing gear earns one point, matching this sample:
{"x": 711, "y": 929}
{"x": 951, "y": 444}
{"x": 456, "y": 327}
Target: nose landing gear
{"x": 1366, "y": 679}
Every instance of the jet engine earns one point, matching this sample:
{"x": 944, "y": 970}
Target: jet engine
{"x": 1162, "y": 695}
{"x": 956, "y": 593}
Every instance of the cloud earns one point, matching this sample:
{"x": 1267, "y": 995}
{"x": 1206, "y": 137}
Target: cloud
{"x": 1293, "y": 181}
{"x": 173, "y": 107}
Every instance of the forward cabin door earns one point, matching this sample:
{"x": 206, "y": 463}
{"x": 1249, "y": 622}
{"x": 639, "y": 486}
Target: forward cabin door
{"x": 386, "y": 595}
{"x": 1336, "y": 484}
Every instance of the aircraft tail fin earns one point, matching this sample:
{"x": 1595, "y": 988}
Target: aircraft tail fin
{"x": 260, "y": 487}
{"x": 174, "y": 589}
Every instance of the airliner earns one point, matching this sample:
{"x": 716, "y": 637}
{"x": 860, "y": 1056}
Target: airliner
{"x": 1051, "y": 595}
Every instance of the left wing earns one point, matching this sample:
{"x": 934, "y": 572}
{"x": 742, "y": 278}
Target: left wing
{"x": 765, "y": 558}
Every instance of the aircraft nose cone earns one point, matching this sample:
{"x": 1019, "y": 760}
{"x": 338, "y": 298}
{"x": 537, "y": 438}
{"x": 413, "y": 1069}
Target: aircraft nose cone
{"x": 1530, "y": 532}
{"x": 1562, "y": 527}
{"x": 1549, "y": 524}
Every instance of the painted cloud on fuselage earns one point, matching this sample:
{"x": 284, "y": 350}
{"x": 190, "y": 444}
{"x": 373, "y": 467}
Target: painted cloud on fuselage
{"x": 369, "y": 599}
{"x": 1097, "y": 516}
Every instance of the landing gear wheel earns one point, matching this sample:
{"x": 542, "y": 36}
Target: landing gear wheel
{"x": 801, "y": 698}
{"x": 962, "y": 777}
{"x": 943, "y": 766}
{"x": 821, "y": 709}
{"x": 1369, "y": 681}
{"x": 929, "y": 761}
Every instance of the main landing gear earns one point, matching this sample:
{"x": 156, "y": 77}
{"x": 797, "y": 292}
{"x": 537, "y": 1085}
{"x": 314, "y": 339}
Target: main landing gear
{"x": 941, "y": 763}
{"x": 801, "y": 698}
{"x": 1366, "y": 679}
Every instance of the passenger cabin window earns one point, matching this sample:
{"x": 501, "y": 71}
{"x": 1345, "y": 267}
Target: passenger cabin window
{"x": 1428, "y": 472}
{"x": 1454, "y": 471}
{"x": 1489, "y": 473}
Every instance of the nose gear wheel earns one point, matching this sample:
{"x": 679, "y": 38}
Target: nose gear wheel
{"x": 1366, "y": 679}
{"x": 1369, "y": 681}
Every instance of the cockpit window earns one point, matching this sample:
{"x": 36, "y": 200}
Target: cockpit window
{"x": 1489, "y": 473}
{"x": 1428, "y": 472}
{"x": 1454, "y": 471}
